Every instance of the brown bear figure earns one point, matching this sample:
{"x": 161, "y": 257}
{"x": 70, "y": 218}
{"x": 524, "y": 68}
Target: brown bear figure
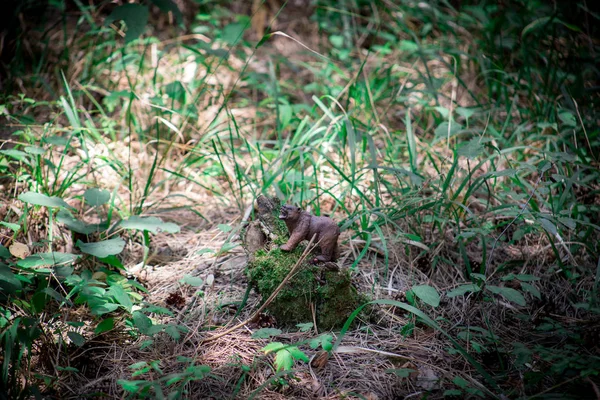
{"x": 302, "y": 226}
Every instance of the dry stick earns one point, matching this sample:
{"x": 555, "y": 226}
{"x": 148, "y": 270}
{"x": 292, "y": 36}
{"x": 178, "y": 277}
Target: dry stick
{"x": 307, "y": 251}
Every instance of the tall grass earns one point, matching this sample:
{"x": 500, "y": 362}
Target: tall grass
{"x": 427, "y": 128}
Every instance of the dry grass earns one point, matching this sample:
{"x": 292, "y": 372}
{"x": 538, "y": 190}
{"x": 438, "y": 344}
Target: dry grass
{"x": 360, "y": 368}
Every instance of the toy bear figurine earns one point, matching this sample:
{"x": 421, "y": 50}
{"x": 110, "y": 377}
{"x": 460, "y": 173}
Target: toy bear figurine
{"x": 302, "y": 226}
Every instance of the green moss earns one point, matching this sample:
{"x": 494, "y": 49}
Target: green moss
{"x": 280, "y": 227}
{"x": 339, "y": 299}
{"x": 331, "y": 292}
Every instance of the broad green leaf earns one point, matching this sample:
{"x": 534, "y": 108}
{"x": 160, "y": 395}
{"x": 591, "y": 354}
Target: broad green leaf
{"x": 544, "y": 166}
{"x": 112, "y": 260}
{"x": 463, "y": 289}
{"x": 224, "y": 228}
{"x": 39, "y": 301}
{"x": 472, "y": 149}
{"x": 76, "y": 338}
{"x": 442, "y": 129}
{"x": 8, "y": 281}
{"x": 508, "y": 277}
{"x": 4, "y": 253}
{"x": 460, "y": 382}
{"x": 271, "y": 347}
{"x": 265, "y": 333}
{"x": 475, "y": 275}
{"x": 297, "y": 353}
{"x": 120, "y": 296}
{"x": 410, "y": 296}
{"x": 305, "y": 327}
{"x": 105, "y": 326}
{"x": 322, "y": 340}
{"x": 548, "y": 226}
{"x": 141, "y": 322}
{"x": 199, "y": 371}
{"x": 531, "y": 289}
{"x": 527, "y": 278}
{"x": 233, "y": 32}
{"x": 150, "y": 224}
{"x": 102, "y": 249}
{"x": 465, "y": 112}
{"x": 427, "y": 294}
{"x": 283, "y": 360}
{"x": 47, "y": 259}
{"x": 408, "y": 46}
{"x": 444, "y": 112}
{"x": 101, "y": 306}
{"x": 204, "y": 251}
{"x": 228, "y": 246}
{"x": 56, "y": 140}
{"x": 192, "y": 280}
{"x": 16, "y": 154}
{"x": 336, "y": 40}
{"x": 401, "y": 372}
{"x": 12, "y": 227}
{"x": 502, "y": 172}
{"x": 518, "y": 234}
{"x": 96, "y": 197}
{"x": 176, "y": 91}
{"x": 138, "y": 365}
{"x": 508, "y": 293}
{"x": 65, "y": 217}
{"x": 285, "y": 114}
{"x": 158, "y": 310}
{"x": 132, "y": 386}
{"x": 35, "y": 150}
{"x": 54, "y": 294}
{"x": 416, "y": 238}
{"x": 327, "y": 342}
{"x": 568, "y": 222}
{"x": 146, "y": 343}
{"x": 173, "y": 332}
{"x": 568, "y": 118}
{"x": 135, "y": 17}
{"x": 39, "y": 199}
{"x": 174, "y": 379}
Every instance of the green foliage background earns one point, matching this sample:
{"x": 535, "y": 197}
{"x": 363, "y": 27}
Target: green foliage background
{"x": 445, "y": 137}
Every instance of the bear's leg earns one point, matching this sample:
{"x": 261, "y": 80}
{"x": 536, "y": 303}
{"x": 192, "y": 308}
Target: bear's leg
{"x": 327, "y": 250}
{"x": 293, "y": 241}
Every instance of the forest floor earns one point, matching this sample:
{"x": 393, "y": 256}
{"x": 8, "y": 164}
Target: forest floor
{"x": 391, "y": 354}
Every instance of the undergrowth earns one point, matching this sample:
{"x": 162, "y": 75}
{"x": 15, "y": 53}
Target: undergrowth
{"x": 458, "y": 140}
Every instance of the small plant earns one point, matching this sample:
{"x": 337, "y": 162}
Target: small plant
{"x": 156, "y": 380}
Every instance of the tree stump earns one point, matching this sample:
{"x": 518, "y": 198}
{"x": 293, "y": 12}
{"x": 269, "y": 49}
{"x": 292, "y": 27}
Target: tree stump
{"x": 321, "y": 293}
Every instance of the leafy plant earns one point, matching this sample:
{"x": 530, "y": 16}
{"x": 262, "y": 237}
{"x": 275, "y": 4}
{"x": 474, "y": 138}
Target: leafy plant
{"x": 285, "y": 355}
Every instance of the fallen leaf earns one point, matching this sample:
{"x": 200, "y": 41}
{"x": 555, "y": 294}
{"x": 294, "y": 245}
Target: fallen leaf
{"x": 19, "y": 250}
{"x": 427, "y": 379}
{"x": 320, "y": 360}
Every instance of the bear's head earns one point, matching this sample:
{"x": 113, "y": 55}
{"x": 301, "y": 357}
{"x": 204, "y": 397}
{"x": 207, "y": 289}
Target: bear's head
{"x": 290, "y": 213}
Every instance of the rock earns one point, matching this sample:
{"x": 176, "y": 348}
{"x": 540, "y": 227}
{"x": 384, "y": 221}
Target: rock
{"x": 325, "y": 290}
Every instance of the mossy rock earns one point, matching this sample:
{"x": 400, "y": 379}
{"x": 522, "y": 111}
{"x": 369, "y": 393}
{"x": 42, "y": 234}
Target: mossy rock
{"x": 329, "y": 291}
